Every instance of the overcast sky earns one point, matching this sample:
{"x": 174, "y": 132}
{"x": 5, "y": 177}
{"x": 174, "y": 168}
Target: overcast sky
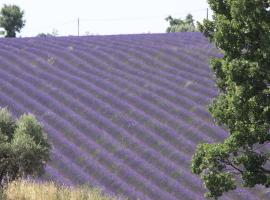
{"x": 104, "y": 16}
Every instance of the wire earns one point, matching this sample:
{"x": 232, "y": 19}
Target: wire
{"x": 66, "y": 22}
{"x": 157, "y": 17}
{"x": 141, "y": 18}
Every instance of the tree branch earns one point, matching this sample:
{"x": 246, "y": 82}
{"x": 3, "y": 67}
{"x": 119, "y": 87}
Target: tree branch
{"x": 228, "y": 162}
{"x": 233, "y": 171}
{"x": 267, "y": 171}
{"x": 261, "y": 146}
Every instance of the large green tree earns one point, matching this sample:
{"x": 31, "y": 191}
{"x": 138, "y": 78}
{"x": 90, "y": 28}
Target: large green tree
{"x": 179, "y": 25}
{"x": 24, "y": 149}
{"x": 11, "y": 19}
{"x": 241, "y": 30}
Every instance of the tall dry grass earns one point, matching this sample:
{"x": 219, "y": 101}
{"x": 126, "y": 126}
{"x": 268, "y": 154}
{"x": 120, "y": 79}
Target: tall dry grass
{"x": 26, "y": 190}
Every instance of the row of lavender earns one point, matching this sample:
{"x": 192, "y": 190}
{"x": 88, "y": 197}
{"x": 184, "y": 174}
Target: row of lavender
{"x": 123, "y": 112}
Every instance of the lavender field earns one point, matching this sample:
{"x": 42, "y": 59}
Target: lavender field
{"x": 123, "y": 112}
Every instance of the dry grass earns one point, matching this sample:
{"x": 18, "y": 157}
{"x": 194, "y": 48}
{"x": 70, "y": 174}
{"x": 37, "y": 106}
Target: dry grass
{"x": 26, "y": 190}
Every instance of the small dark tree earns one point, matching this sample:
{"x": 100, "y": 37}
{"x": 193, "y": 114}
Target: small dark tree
{"x": 24, "y": 149}
{"x": 240, "y": 28}
{"x": 44, "y": 35}
{"x": 179, "y": 25}
{"x": 11, "y": 19}
{"x": 53, "y": 34}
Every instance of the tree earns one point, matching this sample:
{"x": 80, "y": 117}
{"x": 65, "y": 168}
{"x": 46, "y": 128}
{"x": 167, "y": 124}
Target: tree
{"x": 24, "y": 149}
{"x": 11, "y": 19}
{"x": 178, "y": 25}
{"x": 53, "y": 34}
{"x": 44, "y": 35}
{"x": 240, "y": 29}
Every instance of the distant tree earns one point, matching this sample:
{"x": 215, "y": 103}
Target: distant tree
{"x": 24, "y": 149}
{"x": 55, "y": 32}
{"x": 179, "y": 25}
{"x": 11, "y": 19}
{"x": 2, "y": 32}
{"x": 240, "y": 29}
{"x": 44, "y": 35}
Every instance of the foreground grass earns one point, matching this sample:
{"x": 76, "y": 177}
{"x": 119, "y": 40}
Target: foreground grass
{"x": 26, "y": 190}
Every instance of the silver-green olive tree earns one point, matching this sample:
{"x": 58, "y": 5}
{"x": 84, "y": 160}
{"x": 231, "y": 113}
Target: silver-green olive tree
{"x": 11, "y": 19}
{"x": 241, "y": 30}
{"x": 24, "y": 148}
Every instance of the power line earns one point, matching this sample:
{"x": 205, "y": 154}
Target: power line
{"x": 64, "y": 23}
{"x": 142, "y": 18}
{"x": 126, "y": 19}
{"x": 79, "y": 20}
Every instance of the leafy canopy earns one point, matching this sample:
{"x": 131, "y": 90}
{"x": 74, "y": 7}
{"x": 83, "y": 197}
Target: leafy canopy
{"x": 179, "y": 25}
{"x": 24, "y": 149}
{"x": 11, "y": 19}
{"x": 53, "y": 34}
{"x": 240, "y": 29}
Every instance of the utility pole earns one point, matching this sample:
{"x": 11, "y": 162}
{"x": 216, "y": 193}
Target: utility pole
{"x": 207, "y": 13}
{"x": 78, "y": 27}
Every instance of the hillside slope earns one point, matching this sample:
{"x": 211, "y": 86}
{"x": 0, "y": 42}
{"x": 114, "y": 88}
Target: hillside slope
{"x": 124, "y": 113}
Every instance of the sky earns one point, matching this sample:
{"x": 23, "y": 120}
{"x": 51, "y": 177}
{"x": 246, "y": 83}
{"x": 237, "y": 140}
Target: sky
{"x": 103, "y": 17}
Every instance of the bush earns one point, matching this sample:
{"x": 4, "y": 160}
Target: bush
{"x": 24, "y": 148}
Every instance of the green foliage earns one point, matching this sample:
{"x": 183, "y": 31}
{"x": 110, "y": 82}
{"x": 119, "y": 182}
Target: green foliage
{"x": 53, "y": 34}
{"x": 240, "y": 29}
{"x": 11, "y": 19}
{"x": 178, "y": 25}
{"x": 44, "y": 35}
{"x": 24, "y": 149}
